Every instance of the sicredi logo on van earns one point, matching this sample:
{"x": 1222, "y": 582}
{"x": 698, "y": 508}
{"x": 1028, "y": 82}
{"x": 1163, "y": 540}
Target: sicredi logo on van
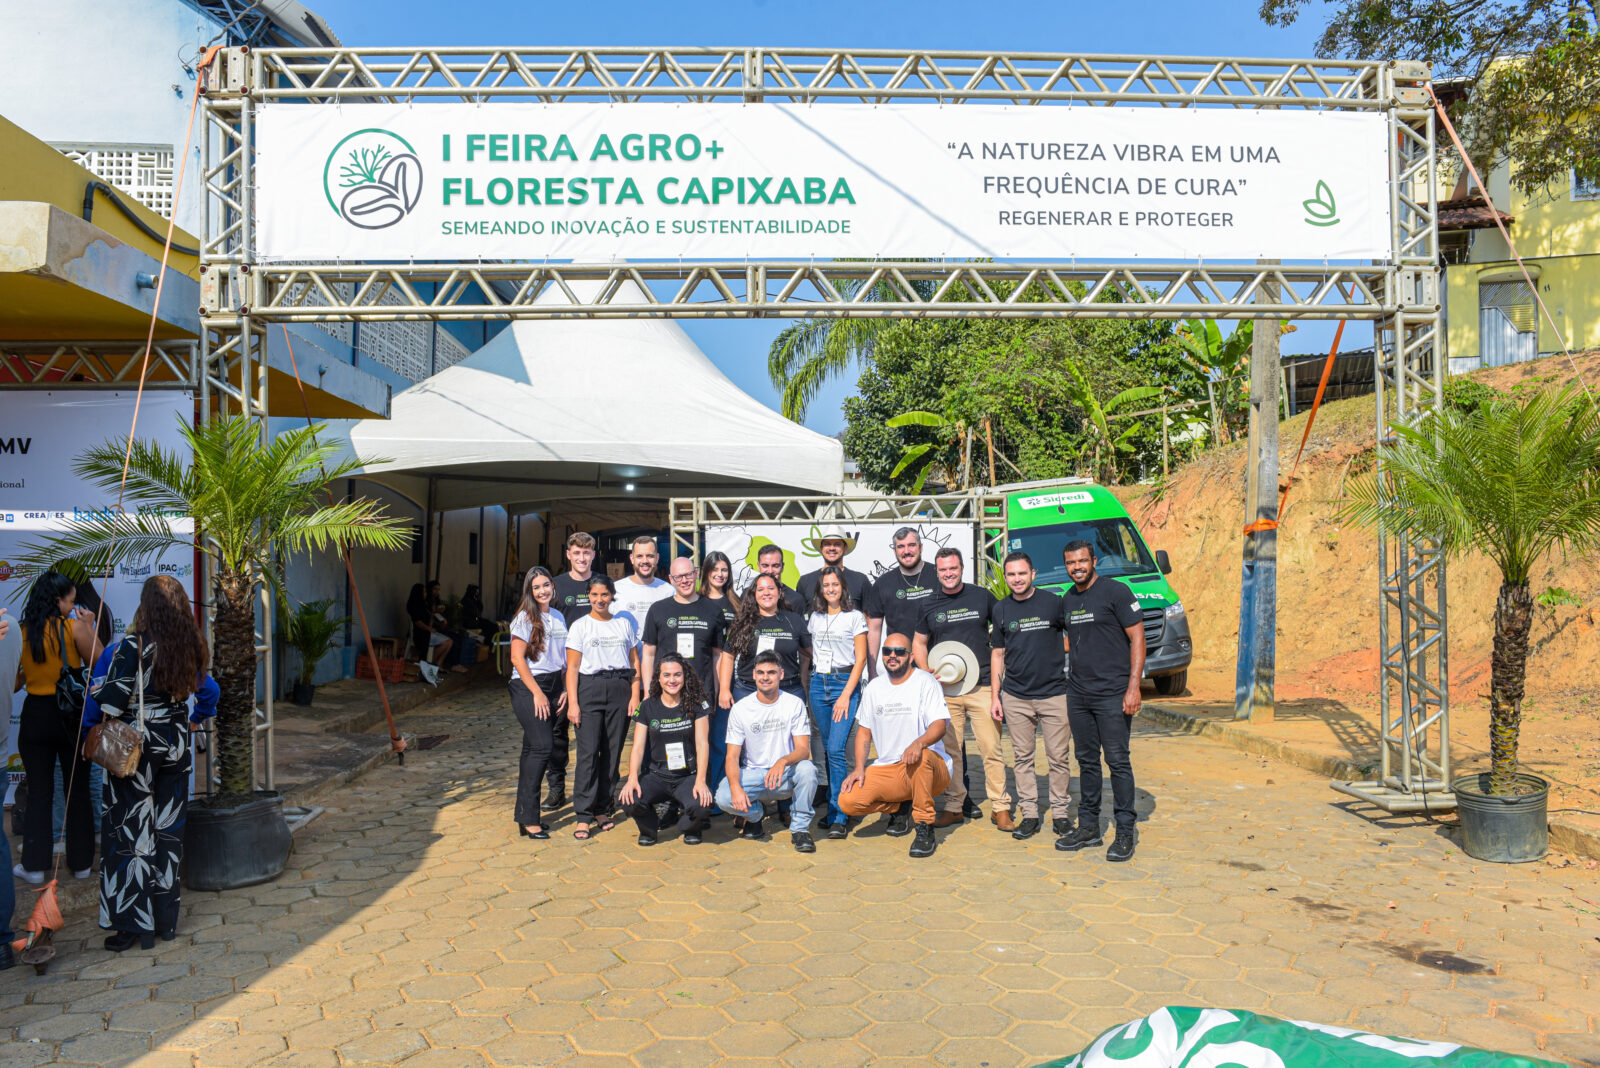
{"x": 1051, "y": 500}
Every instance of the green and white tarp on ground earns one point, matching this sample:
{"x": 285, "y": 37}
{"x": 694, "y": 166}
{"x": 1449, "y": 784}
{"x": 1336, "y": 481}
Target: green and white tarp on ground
{"x": 1214, "y": 1038}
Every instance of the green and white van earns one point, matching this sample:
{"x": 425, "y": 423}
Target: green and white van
{"x": 1042, "y": 517}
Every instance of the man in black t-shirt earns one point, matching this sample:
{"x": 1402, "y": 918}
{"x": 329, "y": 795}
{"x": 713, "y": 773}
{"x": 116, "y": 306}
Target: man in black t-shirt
{"x": 1105, "y": 633}
{"x": 961, "y": 612}
{"x": 896, "y": 598}
{"x": 1028, "y": 665}
{"x": 769, "y": 561}
{"x": 572, "y": 601}
{"x": 832, "y": 545}
{"x": 687, "y": 624}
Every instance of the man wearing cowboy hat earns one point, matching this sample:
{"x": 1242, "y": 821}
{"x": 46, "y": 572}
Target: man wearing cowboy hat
{"x": 953, "y": 644}
{"x": 832, "y": 545}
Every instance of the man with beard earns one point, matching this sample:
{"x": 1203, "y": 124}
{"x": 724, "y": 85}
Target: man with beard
{"x": 643, "y": 588}
{"x": 903, "y": 714}
{"x": 572, "y": 601}
{"x": 896, "y": 599}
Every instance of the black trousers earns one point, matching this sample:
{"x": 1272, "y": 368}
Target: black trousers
{"x": 655, "y": 787}
{"x": 603, "y": 718}
{"x": 538, "y": 736}
{"x": 45, "y": 737}
{"x": 1099, "y": 727}
{"x": 555, "y": 772}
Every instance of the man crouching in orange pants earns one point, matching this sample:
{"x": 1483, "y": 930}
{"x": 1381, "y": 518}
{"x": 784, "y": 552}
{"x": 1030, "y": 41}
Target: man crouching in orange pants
{"x": 903, "y": 712}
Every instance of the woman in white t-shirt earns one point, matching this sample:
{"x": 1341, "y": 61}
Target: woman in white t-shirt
{"x": 602, "y": 689}
{"x": 838, "y": 658}
{"x": 538, "y": 690}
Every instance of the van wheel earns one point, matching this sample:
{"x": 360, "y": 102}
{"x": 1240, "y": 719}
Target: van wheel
{"x": 1171, "y": 685}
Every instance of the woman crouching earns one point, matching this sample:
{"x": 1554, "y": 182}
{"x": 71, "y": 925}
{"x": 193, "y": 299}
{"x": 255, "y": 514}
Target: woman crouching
{"x": 673, "y": 728}
{"x": 148, "y": 679}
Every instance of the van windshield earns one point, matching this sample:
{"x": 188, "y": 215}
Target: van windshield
{"x": 1117, "y": 548}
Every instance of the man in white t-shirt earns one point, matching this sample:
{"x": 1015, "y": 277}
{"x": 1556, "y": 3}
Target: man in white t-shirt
{"x": 643, "y": 588}
{"x": 904, "y": 714}
{"x": 769, "y": 756}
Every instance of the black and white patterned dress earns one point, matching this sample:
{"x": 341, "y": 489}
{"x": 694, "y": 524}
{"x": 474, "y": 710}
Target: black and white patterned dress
{"x": 141, "y": 836}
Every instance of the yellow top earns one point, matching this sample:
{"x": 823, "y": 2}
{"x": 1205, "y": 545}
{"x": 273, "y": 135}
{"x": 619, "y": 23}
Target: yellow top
{"x": 42, "y": 678}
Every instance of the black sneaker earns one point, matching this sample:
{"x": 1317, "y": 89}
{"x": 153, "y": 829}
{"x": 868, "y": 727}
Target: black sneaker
{"x": 692, "y": 835}
{"x": 925, "y": 843}
{"x": 1027, "y": 828}
{"x": 802, "y": 842}
{"x": 752, "y": 830}
{"x": 837, "y": 831}
{"x": 555, "y": 798}
{"x": 1060, "y": 825}
{"x": 1122, "y": 848}
{"x": 900, "y": 822}
{"x": 1082, "y": 838}
{"x": 647, "y": 839}
{"x": 970, "y": 809}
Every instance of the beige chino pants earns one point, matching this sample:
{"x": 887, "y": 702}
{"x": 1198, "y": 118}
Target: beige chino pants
{"x": 1027, "y": 720}
{"x": 973, "y": 708}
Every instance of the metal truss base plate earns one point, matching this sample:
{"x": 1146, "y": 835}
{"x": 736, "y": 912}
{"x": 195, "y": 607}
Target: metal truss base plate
{"x": 1400, "y": 801}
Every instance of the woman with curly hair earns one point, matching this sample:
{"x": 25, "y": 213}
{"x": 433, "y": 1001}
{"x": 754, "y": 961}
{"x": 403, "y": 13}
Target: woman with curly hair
{"x": 673, "y": 726}
{"x": 147, "y": 679}
{"x": 762, "y": 625}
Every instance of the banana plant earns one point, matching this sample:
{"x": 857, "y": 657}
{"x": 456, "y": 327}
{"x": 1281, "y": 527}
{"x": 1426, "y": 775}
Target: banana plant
{"x": 951, "y": 432}
{"x": 1102, "y": 441}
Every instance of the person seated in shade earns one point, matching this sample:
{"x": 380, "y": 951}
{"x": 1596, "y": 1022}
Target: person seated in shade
{"x": 673, "y": 727}
{"x": 903, "y": 714}
{"x": 769, "y": 755}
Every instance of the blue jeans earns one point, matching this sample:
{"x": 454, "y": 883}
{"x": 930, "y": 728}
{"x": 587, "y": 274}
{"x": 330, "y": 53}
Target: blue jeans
{"x": 799, "y": 782}
{"x": 825, "y": 690}
{"x": 8, "y": 891}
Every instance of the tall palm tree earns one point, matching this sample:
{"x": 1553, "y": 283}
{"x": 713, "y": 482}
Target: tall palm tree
{"x": 1514, "y": 479}
{"x": 248, "y": 500}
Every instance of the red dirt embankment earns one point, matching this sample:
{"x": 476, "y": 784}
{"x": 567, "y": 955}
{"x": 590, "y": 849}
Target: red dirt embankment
{"x": 1327, "y": 652}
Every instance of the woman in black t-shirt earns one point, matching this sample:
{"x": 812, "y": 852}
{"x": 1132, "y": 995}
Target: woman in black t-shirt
{"x": 716, "y": 584}
{"x": 674, "y": 727}
{"x": 764, "y": 624}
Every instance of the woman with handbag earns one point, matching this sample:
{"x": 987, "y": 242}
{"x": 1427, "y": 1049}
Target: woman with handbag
{"x": 58, "y": 644}
{"x": 146, "y": 682}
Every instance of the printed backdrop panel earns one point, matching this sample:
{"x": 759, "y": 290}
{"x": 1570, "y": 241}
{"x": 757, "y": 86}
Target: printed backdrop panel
{"x": 594, "y": 182}
{"x": 872, "y": 555}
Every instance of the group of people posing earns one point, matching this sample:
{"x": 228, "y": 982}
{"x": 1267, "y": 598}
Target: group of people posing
{"x": 726, "y": 690}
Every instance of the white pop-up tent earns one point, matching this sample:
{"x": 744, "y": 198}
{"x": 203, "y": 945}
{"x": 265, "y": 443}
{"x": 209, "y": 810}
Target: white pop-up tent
{"x": 570, "y": 409}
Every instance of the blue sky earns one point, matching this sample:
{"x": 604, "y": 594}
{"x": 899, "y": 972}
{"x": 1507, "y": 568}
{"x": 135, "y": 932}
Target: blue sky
{"x": 1164, "y": 27}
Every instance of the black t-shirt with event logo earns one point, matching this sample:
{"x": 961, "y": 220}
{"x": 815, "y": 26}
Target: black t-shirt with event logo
{"x": 1030, "y": 632}
{"x": 693, "y": 631}
{"x": 898, "y": 599}
{"x": 572, "y": 596}
{"x": 1097, "y": 621}
{"x": 854, "y": 581}
{"x": 725, "y": 606}
{"x": 962, "y": 617}
{"x": 785, "y": 633}
{"x": 670, "y": 732}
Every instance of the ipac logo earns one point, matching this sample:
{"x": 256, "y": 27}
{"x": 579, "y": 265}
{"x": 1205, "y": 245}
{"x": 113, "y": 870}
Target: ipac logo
{"x": 372, "y": 179}
{"x": 176, "y": 570}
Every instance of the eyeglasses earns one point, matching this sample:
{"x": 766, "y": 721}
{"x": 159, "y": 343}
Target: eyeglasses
{"x": 895, "y": 650}
{"x": 683, "y": 578}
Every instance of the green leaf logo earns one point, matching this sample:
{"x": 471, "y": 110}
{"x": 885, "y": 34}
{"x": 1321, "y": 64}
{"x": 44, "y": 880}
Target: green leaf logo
{"x": 1321, "y": 210}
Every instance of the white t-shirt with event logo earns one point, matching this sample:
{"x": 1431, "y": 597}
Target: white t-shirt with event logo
{"x": 898, "y": 715}
{"x": 767, "y": 732}
{"x": 554, "y": 655}
{"x": 833, "y": 639}
{"x": 603, "y": 644}
{"x": 633, "y": 600}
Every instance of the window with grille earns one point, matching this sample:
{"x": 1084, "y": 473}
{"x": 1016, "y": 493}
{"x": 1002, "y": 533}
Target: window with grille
{"x": 144, "y": 172}
{"x": 1507, "y": 323}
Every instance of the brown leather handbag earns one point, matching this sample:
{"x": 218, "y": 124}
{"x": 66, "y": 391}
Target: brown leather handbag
{"x": 116, "y": 744}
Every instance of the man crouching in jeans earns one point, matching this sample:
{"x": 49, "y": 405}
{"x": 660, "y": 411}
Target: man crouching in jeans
{"x": 904, "y": 713}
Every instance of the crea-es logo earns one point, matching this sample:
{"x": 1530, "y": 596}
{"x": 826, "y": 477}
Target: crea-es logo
{"x": 372, "y": 178}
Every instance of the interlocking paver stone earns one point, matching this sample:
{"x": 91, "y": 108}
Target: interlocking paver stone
{"x": 410, "y": 928}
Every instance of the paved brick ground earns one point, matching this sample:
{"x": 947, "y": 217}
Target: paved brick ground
{"x": 413, "y": 925}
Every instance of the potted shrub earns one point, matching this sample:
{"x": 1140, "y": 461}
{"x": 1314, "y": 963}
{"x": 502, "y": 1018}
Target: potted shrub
{"x": 250, "y": 501}
{"x": 310, "y": 631}
{"x": 1514, "y": 478}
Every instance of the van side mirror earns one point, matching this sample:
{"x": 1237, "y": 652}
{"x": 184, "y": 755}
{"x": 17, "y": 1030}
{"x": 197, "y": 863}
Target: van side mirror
{"x": 1163, "y": 562}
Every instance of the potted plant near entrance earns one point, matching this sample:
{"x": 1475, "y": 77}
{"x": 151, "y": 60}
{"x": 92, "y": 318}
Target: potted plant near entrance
{"x": 249, "y": 500}
{"x": 310, "y": 631}
{"x": 1514, "y": 478}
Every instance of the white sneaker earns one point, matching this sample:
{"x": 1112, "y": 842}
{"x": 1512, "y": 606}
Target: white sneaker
{"x": 34, "y": 877}
{"x": 86, "y": 873}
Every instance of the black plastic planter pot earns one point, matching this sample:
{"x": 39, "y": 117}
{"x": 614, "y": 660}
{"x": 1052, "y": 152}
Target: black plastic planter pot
{"x": 1507, "y": 830}
{"x": 302, "y": 693}
{"x": 225, "y": 848}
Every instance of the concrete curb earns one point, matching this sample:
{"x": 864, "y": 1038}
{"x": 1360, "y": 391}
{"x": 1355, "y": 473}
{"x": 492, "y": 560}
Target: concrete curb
{"x": 1564, "y": 837}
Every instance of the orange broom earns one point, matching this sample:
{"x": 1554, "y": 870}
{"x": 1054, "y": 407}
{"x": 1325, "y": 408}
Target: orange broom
{"x": 34, "y": 948}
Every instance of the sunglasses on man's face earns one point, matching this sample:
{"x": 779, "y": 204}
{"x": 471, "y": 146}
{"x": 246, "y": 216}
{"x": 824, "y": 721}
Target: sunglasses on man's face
{"x": 895, "y": 650}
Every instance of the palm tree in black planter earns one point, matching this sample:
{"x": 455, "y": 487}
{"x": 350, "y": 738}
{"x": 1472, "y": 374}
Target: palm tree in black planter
{"x": 1514, "y": 478}
{"x": 310, "y": 631}
{"x": 249, "y": 501}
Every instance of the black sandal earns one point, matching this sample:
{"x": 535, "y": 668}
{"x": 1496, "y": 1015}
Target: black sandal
{"x": 542, "y": 833}
{"x": 582, "y": 834}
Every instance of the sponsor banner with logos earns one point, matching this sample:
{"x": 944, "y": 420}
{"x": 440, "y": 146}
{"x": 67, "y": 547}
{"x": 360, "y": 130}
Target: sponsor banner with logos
{"x": 872, "y": 554}
{"x": 40, "y": 492}
{"x": 657, "y": 181}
